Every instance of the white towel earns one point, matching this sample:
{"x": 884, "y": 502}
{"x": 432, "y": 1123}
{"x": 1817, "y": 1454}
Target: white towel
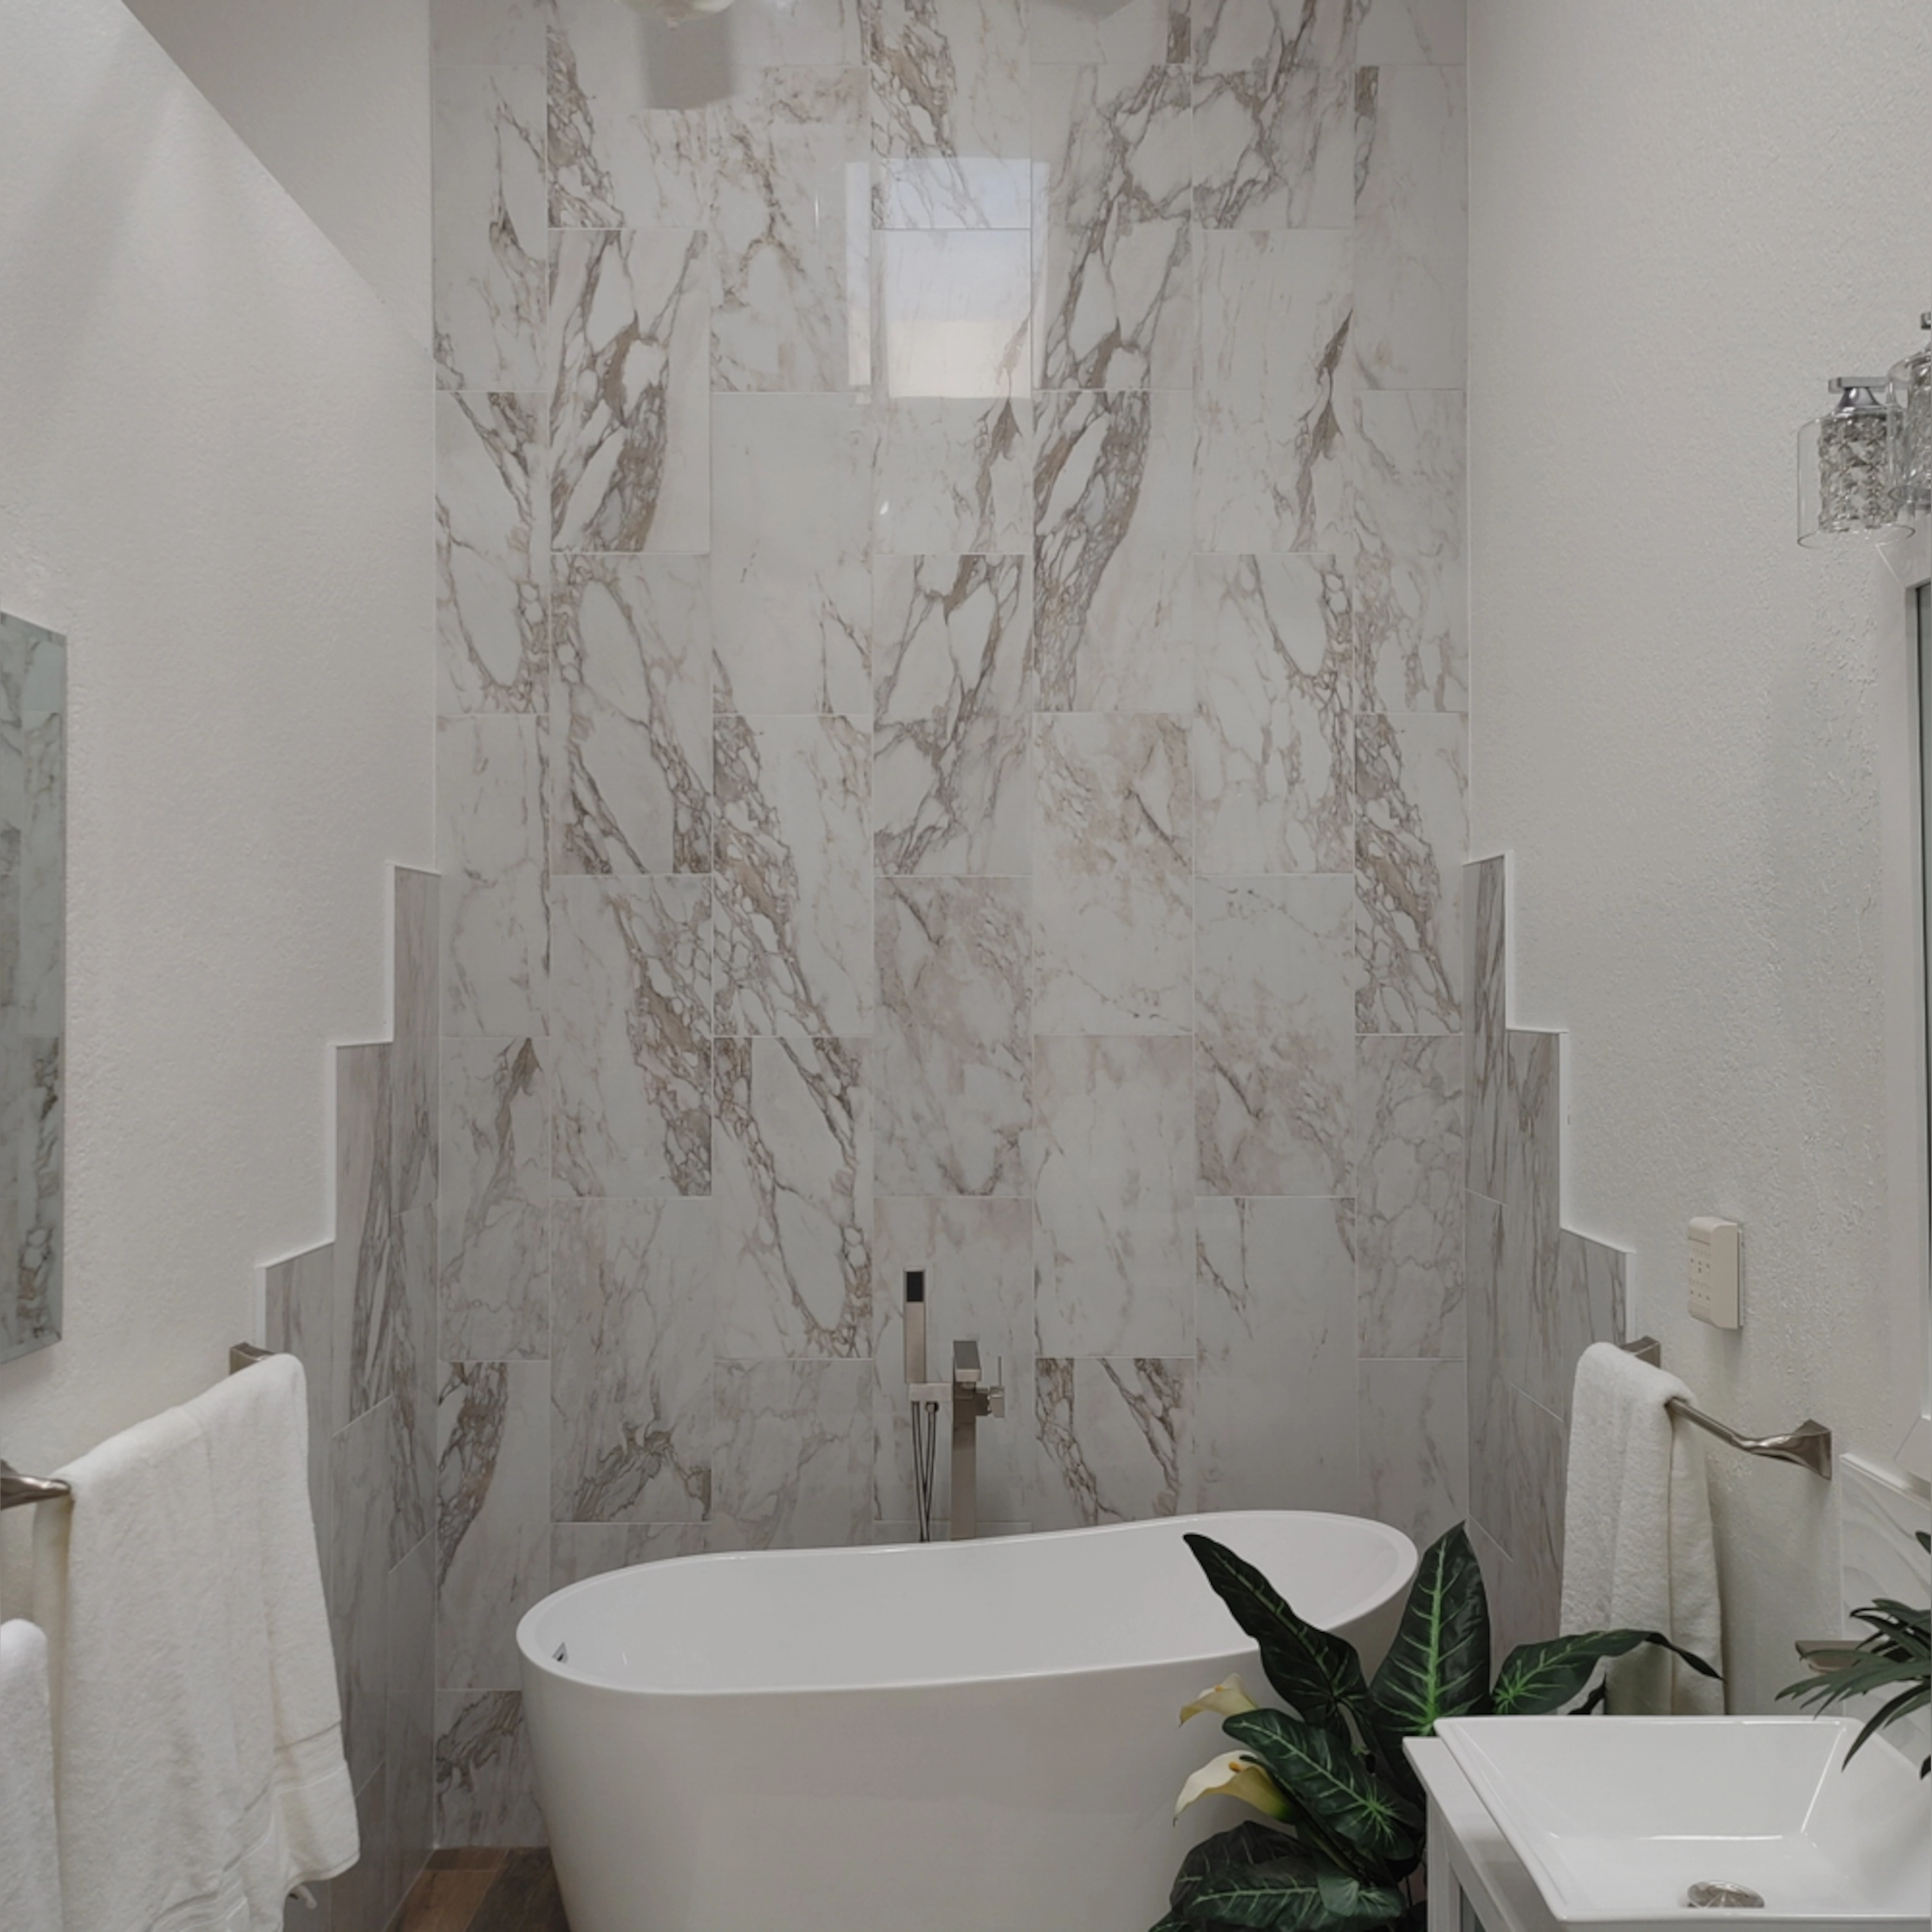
{"x": 29, "y": 1852}
{"x": 287, "y": 1713}
{"x": 197, "y": 1737}
{"x": 1638, "y": 1552}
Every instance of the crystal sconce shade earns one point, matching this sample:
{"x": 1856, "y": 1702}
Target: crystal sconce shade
{"x": 1848, "y": 465}
{"x": 1912, "y": 393}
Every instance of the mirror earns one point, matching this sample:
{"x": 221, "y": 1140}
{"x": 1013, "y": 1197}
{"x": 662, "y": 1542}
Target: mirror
{"x": 33, "y": 963}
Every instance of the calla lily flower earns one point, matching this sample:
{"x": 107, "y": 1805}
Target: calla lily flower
{"x": 1228, "y": 1699}
{"x": 1233, "y": 1775}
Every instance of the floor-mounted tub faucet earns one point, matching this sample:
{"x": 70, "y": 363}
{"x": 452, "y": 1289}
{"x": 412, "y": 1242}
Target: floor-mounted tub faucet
{"x": 969, "y": 1398}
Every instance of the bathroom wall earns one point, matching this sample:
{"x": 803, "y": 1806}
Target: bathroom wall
{"x": 215, "y": 479}
{"x": 1683, "y": 221}
{"x": 952, "y": 686}
{"x": 335, "y": 101}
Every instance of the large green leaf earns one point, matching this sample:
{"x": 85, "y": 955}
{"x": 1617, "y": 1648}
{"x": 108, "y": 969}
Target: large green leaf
{"x": 1295, "y": 1893}
{"x": 1537, "y": 1678}
{"x": 1438, "y": 1665}
{"x": 1315, "y": 1672}
{"x": 1250, "y": 1842}
{"x": 1326, "y": 1779}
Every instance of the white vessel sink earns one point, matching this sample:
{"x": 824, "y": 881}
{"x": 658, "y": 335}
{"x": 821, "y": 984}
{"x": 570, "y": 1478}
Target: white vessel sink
{"x": 1617, "y": 1819}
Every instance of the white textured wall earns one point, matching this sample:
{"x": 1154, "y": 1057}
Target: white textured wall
{"x": 1682, "y": 220}
{"x": 214, "y": 477}
{"x": 335, "y": 99}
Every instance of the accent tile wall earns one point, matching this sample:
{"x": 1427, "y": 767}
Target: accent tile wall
{"x": 952, "y": 756}
{"x": 359, "y": 1312}
{"x": 1539, "y": 1294}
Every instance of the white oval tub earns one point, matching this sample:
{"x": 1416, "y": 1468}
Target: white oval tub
{"x": 972, "y": 1737}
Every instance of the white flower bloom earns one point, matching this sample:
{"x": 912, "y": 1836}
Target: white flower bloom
{"x": 1228, "y": 1699}
{"x": 1234, "y": 1776}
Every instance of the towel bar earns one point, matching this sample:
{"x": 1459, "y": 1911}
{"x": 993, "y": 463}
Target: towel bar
{"x": 1809, "y": 1445}
{"x": 17, "y": 1490}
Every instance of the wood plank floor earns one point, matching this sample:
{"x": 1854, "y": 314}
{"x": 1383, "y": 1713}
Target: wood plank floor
{"x": 485, "y": 1891}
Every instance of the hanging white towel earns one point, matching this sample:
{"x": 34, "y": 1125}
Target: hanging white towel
{"x": 198, "y": 1747}
{"x": 29, "y": 1852}
{"x": 1638, "y": 1552}
{"x": 288, "y": 1716}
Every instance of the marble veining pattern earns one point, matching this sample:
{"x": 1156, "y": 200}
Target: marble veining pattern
{"x": 953, "y": 1058}
{"x": 953, "y": 684}
{"x": 951, "y": 669}
{"x": 630, "y": 447}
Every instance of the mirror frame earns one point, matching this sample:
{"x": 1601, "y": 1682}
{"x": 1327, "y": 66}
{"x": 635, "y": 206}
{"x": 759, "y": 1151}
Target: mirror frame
{"x": 1904, "y": 802}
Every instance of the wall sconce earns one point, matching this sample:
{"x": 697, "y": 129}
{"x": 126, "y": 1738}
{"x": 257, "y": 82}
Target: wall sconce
{"x": 1849, "y": 465}
{"x": 1912, "y": 391}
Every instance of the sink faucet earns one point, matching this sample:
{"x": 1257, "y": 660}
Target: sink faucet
{"x": 969, "y": 1398}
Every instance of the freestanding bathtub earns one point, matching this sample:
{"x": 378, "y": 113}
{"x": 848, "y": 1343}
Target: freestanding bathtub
{"x": 973, "y": 1737}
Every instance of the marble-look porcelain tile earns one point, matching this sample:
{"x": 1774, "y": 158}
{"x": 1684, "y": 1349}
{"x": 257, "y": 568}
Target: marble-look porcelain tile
{"x": 1273, "y": 738}
{"x": 485, "y": 1782}
{"x": 358, "y": 1569}
{"x": 1590, "y": 1305}
{"x": 1401, "y": 33}
{"x": 630, "y": 429}
{"x": 954, "y": 309}
{"x": 791, "y": 589}
{"x": 581, "y": 1549}
{"x": 1139, "y": 32}
{"x": 1411, "y": 829}
{"x": 1497, "y": 1587}
{"x": 1408, "y": 1194}
{"x": 408, "y": 1754}
{"x": 952, "y": 690}
{"x": 1411, "y": 227}
{"x": 1485, "y": 992}
{"x": 629, "y": 133}
{"x": 492, "y": 1516}
{"x": 1411, "y": 585}
{"x": 494, "y": 1301}
{"x": 492, "y": 849}
{"x": 794, "y": 1454}
{"x": 1113, "y": 859}
{"x": 631, "y": 714}
{"x": 493, "y": 649}
{"x": 954, "y": 478}
{"x": 1534, "y": 1453}
{"x": 793, "y": 1155}
{"x": 1273, "y": 120}
{"x": 1112, "y": 626}
{"x": 794, "y": 884}
{"x": 949, "y": 89}
{"x": 790, "y": 233}
{"x": 1415, "y": 1446}
{"x": 1526, "y": 1288}
{"x": 487, "y": 32}
{"x": 1115, "y": 1441}
{"x": 486, "y": 221}
{"x": 415, "y": 1015}
{"x": 953, "y": 1056}
{"x": 299, "y": 1296}
{"x": 365, "y": 1229}
{"x": 412, "y": 1352}
{"x": 631, "y": 1355}
{"x": 1114, "y": 1233}
{"x": 360, "y": 1896}
{"x": 1275, "y": 1409}
{"x": 796, "y": 33}
{"x": 1483, "y": 1261}
{"x": 1114, "y": 269}
{"x": 1272, "y": 391}
{"x": 1274, "y": 974}
{"x": 977, "y": 1257}
{"x": 630, "y": 1055}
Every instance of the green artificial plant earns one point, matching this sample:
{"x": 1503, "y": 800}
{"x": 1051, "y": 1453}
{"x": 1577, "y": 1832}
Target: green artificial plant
{"x": 1898, "y": 1652}
{"x": 1342, "y": 1840}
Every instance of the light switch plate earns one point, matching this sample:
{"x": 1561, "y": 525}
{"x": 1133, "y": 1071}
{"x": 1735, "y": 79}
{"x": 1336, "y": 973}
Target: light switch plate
{"x": 1713, "y": 1296}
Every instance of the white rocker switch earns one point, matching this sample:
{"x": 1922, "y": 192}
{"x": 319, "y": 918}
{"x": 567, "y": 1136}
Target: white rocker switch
{"x": 1714, "y": 1272}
